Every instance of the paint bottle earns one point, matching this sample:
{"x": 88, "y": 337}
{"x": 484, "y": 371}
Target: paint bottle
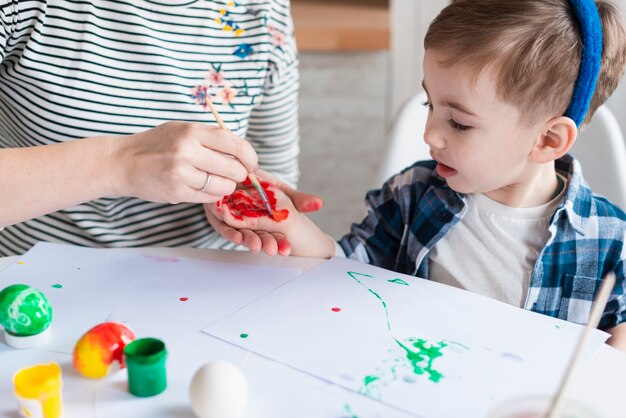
{"x": 25, "y": 315}
{"x": 145, "y": 360}
{"x": 38, "y": 391}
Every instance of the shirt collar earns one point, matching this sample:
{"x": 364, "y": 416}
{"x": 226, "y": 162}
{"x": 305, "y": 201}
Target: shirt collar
{"x": 578, "y": 196}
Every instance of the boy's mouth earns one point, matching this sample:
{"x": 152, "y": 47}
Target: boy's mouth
{"x": 444, "y": 170}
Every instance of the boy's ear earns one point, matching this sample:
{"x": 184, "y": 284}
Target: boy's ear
{"x": 555, "y": 139}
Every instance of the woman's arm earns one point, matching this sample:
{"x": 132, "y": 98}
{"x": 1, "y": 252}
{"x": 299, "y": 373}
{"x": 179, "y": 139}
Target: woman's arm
{"x": 168, "y": 163}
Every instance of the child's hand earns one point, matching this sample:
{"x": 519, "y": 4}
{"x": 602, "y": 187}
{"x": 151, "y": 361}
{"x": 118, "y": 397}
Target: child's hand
{"x": 258, "y": 231}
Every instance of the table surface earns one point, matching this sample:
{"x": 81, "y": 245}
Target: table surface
{"x": 598, "y": 383}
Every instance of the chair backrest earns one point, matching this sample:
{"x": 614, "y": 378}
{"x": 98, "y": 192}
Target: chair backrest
{"x": 405, "y": 142}
{"x": 601, "y": 150}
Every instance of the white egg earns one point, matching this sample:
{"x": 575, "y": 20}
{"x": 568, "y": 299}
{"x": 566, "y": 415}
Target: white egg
{"x": 218, "y": 390}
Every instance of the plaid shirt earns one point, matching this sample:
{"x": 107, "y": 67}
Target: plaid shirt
{"x": 415, "y": 208}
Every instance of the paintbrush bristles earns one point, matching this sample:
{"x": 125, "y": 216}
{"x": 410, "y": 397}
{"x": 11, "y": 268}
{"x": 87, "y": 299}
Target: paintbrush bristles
{"x": 594, "y": 319}
{"x": 251, "y": 176}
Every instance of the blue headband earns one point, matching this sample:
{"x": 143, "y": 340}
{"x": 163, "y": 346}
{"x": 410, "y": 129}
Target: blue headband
{"x": 590, "y": 60}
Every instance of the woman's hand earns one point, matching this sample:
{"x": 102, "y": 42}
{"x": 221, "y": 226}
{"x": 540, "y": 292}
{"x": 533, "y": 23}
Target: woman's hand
{"x": 181, "y": 162}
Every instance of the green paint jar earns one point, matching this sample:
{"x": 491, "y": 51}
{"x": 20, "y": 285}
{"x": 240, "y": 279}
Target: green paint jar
{"x": 145, "y": 361}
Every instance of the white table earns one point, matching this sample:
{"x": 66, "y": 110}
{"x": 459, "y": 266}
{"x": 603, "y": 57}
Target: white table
{"x": 599, "y": 383}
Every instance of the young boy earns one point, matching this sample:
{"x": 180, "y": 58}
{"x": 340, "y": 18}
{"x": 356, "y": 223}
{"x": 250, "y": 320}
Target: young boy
{"x": 501, "y": 209}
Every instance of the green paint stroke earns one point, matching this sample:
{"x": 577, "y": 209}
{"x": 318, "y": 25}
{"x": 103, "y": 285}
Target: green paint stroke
{"x": 367, "y": 389}
{"x": 351, "y": 414}
{"x": 243, "y": 335}
{"x": 398, "y": 281}
{"x": 353, "y": 275}
{"x": 424, "y": 353}
{"x": 57, "y": 286}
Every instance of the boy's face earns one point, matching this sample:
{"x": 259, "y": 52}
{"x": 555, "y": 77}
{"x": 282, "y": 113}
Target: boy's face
{"x": 476, "y": 138}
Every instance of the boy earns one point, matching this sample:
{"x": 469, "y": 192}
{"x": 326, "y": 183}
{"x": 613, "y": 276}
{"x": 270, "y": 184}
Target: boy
{"x": 501, "y": 210}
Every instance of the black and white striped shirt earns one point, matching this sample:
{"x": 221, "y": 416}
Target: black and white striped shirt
{"x": 76, "y": 68}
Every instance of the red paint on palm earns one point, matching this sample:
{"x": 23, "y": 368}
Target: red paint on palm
{"x": 247, "y": 203}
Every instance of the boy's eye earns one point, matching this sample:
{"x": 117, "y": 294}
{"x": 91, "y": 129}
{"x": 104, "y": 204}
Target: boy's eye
{"x": 455, "y": 125}
{"x": 428, "y": 105}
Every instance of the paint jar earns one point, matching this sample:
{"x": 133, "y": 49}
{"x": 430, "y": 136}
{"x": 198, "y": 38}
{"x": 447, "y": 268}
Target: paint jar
{"x": 536, "y": 406}
{"x": 145, "y": 361}
{"x": 38, "y": 391}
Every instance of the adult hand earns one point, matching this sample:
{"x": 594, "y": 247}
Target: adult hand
{"x": 257, "y": 241}
{"x": 181, "y": 162}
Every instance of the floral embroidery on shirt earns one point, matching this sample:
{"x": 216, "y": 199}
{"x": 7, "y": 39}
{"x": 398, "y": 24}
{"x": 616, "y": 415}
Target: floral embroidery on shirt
{"x": 227, "y": 94}
{"x": 215, "y": 76}
{"x": 216, "y": 87}
{"x": 199, "y": 94}
{"x": 228, "y": 24}
{"x": 243, "y": 50}
{"x": 278, "y": 38}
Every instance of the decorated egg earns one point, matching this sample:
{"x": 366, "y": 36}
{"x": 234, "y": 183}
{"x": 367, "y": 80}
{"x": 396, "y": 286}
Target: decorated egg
{"x": 100, "y": 351}
{"x": 24, "y": 314}
{"x": 218, "y": 390}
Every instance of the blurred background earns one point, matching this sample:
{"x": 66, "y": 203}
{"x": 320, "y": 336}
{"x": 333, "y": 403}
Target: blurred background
{"x": 360, "y": 60}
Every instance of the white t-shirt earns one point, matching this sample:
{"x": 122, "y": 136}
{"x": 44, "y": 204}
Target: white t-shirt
{"x": 78, "y": 69}
{"x": 493, "y": 249}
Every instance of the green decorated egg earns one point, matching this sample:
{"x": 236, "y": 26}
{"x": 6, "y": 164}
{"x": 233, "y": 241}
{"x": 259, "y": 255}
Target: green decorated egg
{"x": 24, "y": 310}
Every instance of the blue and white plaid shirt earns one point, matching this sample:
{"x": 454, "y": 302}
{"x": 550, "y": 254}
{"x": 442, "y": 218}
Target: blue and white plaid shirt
{"x": 415, "y": 208}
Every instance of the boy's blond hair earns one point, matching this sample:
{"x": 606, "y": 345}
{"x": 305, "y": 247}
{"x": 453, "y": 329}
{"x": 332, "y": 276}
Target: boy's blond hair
{"x": 535, "y": 47}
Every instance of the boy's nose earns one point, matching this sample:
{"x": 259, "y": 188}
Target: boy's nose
{"x": 432, "y": 137}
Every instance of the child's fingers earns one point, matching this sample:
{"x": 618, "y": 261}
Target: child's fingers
{"x": 268, "y": 242}
{"x": 252, "y": 240}
{"x": 284, "y": 246}
{"x": 226, "y": 231}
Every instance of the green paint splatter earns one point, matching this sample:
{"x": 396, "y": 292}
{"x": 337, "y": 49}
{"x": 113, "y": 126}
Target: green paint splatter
{"x": 57, "y": 286}
{"x": 353, "y": 274}
{"x": 557, "y": 326}
{"x": 425, "y": 353}
{"x": 367, "y": 389}
{"x": 243, "y": 335}
{"x": 398, "y": 281}
{"x": 351, "y": 414}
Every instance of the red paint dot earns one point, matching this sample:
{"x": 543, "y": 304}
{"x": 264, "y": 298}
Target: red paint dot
{"x": 184, "y": 299}
{"x": 336, "y": 309}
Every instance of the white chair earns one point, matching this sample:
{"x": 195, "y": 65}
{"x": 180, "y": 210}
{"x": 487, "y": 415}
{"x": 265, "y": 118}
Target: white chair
{"x": 600, "y": 148}
{"x": 405, "y": 139}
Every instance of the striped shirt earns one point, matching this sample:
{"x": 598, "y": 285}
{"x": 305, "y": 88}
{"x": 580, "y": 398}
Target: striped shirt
{"x": 76, "y": 69}
{"x": 415, "y": 208}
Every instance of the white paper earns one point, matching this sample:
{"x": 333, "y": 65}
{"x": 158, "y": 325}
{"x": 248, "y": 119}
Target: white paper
{"x": 140, "y": 290}
{"x": 489, "y": 351}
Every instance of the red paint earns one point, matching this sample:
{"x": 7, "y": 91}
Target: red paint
{"x": 247, "y": 203}
{"x": 283, "y": 246}
{"x": 184, "y": 299}
{"x": 312, "y": 205}
{"x": 336, "y": 309}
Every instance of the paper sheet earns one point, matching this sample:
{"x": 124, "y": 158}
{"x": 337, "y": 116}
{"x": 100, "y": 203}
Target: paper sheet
{"x": 426, "y": 348}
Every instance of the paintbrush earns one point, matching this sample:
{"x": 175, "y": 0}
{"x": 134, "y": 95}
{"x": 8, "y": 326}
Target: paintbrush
{"x": 251, "y": 176}
{"x": 594, "y": 319}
